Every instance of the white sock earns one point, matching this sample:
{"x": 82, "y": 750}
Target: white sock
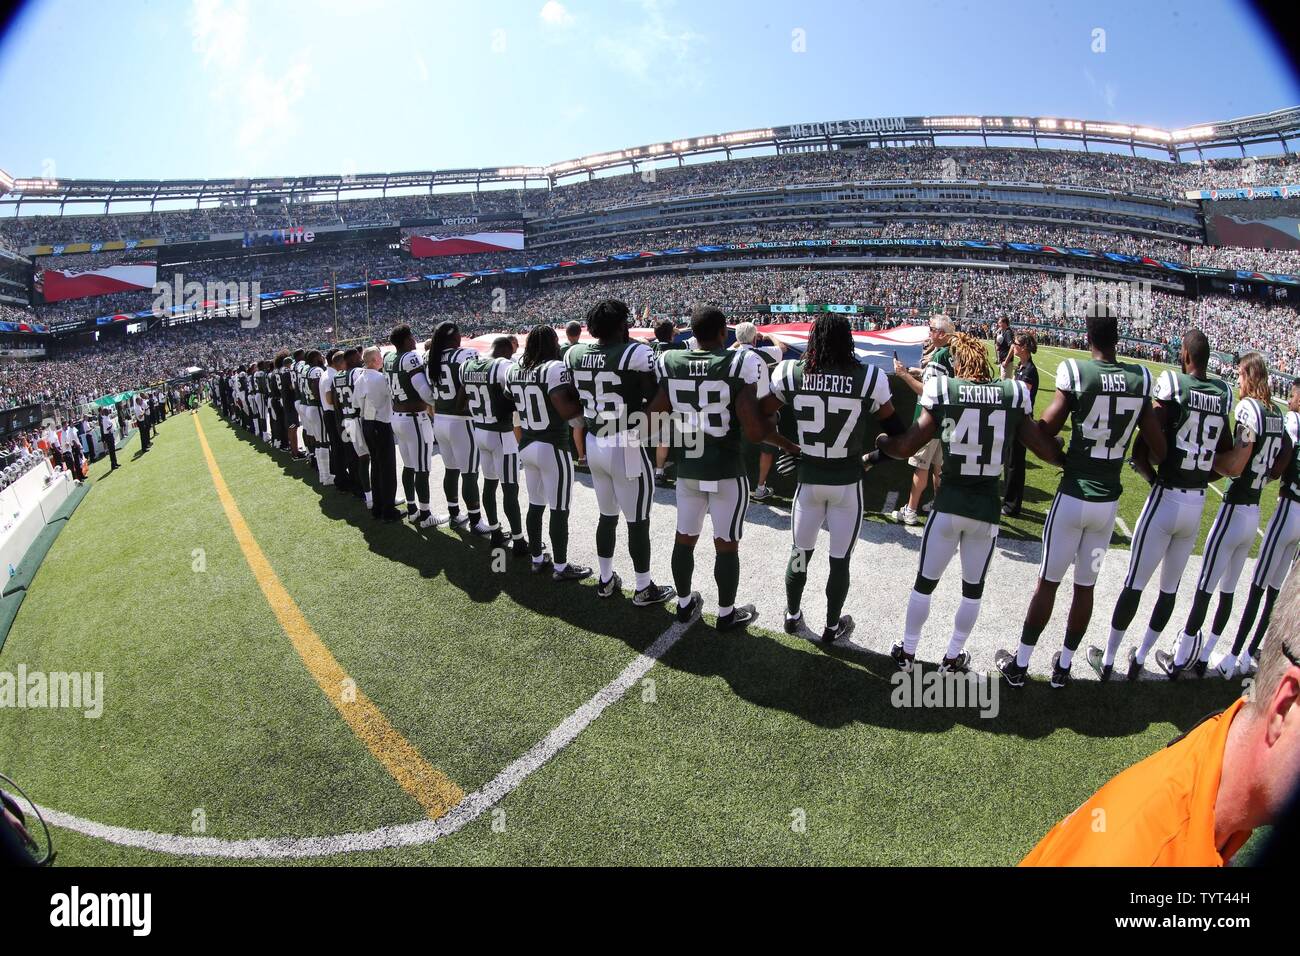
{"x": 1148, "y": 641}
{"x": 1112, "y": 647}
{"x": 1023, "y": 653}
{"x": 1208, "y": 647}
{"x": 918, "y": 609}
{"x": 561, "y": 567}
{"x": 1067, "y": 656}
{"x": 724, "y": 611}
{"x": 683, "y": 600}
{"x": 967, "y": 613}
{"x": 643, "y": 580}
{"x": 370, "y": 501}
{"x": 606, "y": 567}
{"x": 424, "y": 507}
{"x": 1184, "y": 649}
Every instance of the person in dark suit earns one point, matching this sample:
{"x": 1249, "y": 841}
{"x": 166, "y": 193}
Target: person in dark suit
{"x": 108, "y": 432}
{"x": 1023, "y": 347}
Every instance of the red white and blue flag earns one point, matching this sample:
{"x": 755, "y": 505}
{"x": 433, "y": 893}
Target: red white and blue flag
{"x": 60, "y": 284}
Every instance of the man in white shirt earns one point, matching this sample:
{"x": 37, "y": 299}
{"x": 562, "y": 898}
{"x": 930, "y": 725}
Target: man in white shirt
{"x": 375, "y": 401}
{"x": 107, "y": 431}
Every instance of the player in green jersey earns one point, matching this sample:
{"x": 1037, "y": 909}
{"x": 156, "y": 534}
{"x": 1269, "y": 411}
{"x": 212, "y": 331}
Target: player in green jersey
{"x": 1277, "y": 551}
{"x": 1106, "y": 402}
{"x": 548, "y": 406}
{"x": 974, "y": 416}
{"x": 412, "y": 398}
{"x": 615, "y": 378}
{"x": 664, "y": 341}
{"x": 452, "y": 429}
{"x": 1259, "y": 455}
{"x": 1193, "y": 412}
{"x": 492, "y": 411}
{"x": 713, "y": 393}
{"x": 832, "y": 398}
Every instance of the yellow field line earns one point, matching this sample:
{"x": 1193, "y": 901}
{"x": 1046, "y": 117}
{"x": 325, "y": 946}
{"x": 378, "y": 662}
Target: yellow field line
{"x": 428, "y": 785}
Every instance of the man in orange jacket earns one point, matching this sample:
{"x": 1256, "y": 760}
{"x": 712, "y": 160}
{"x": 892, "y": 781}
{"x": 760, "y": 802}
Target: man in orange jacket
{"x": 1196, "y": 802}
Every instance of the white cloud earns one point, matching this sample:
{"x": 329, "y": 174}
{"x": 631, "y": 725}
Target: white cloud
{"x": 656, "y": 45}
{"x": 555, "y": 14}
{"x": 268, "y": 102}
{"x": 219, "y": 31}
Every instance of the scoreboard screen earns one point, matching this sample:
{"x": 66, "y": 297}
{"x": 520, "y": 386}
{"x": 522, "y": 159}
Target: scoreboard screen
{"x": 1253, "y": 223}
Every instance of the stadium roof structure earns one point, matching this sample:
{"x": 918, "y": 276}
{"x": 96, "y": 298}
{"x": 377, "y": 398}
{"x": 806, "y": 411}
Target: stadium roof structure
{"x": 1265, "y": 128}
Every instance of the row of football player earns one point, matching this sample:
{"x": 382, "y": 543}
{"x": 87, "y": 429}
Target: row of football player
{"x": 832, "y": 396}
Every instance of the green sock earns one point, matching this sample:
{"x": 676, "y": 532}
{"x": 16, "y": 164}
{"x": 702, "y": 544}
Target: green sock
{"x": 638, "y": 544}
{"x": 490, "y": 500}
{"x": 469, "y": 491}
{"x": 683, "y": 565}
{"x": 560, "y": 536}
{"x": 726, "y": 572}
{"x": 837, "y": 590}
{"x": 606, "y": 535}
{"x": 535, "y": 513}
{"x": 796, "y": 576}
{"x": 449, "y": 482}
{"x": 510, "y": 500}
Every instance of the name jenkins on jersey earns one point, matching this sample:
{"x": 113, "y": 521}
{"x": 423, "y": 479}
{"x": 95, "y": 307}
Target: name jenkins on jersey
{"x": 1198, "y": 417}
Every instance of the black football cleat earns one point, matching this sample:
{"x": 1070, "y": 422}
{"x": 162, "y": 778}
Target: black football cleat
{"x": 653, "y": 594}
{"x": 1134, "y": 667}
{"x": 1060, "y": 675}
{"x": 1095, "y": 657}
{"x": 1165, "y": 661}
{"x": 538, "y": 567}
{"x": 1200, "y": 667}
{"x": 838, "y": 631}
{"x": 737, "y": 619}
{"x": 1006, "y": 664}
{"x": 574, "y": 572}
{"x": 956, "y": 665}
{"x": 899, "y": 656}
{"x": 607, "y": 589}
{"x": 792, "y": 624}
{"x": 519, "y": 548}
{"x": 691, "y": 611}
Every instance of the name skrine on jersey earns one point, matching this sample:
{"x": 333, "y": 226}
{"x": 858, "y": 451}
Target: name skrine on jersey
{"x": 831, "y": 411}
{"x": 486, "y": 394}
{"x": 611, "y": 382}
{"x": 1263, "y": 424}
{"x": 1198, "y": 417}
{"x": 1106, "y": 401}
{"x": 343, "y": 393}
{"x": 977, "y": 423}
{"x": 702, "y": 389}
{"x": 531, "y": 390}
{"x": 448, "y": 393}
{"x": 1291, "y": 476}
{"x": 398, "y": 369}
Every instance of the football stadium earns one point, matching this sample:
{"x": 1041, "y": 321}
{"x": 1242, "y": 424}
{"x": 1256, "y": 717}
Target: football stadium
{"x": 359, "y": 518}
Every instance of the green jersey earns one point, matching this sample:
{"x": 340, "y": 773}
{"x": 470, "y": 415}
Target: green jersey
{"x": 977, "y": 422}
{"x": 831, "y": 411}
{"x": 311, "y": 385}
{"x": 260, "y": 384}
{"x": 344, "y": 402}
{"x": 939, "y": 363}
{"x": 1106, "y": 401}
{"x": 702, "y": 390}
{"x": 488, "y": 400}
{"x": 1261, "y": 423}
{"x": 448, "y": 391}
{"x": 531, "y": 390}
{"x": 300, "y": 381}
{"x": 613, "y": 382}
{"x": 402, "y": 371}
{"x": 1198, "y": 418}
{"x": 1291, "y": 476}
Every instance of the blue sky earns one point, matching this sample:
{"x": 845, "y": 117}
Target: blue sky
{"x": 217, "y": 88}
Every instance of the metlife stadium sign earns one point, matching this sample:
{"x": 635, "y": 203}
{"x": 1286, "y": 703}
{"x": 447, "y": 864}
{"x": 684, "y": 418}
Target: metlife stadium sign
{"x": 854, "y": 127}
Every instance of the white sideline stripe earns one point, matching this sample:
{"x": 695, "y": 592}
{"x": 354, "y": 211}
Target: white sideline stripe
{"x": 404, "y": 834}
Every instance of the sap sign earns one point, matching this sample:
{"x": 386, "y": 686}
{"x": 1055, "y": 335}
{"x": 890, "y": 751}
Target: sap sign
{"x": 294, "y": 236}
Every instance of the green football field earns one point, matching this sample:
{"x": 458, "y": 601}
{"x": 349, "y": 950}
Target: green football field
{"x": 277, "y": 668}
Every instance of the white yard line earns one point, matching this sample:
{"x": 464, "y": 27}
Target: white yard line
{"x": 405, "y": 834}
